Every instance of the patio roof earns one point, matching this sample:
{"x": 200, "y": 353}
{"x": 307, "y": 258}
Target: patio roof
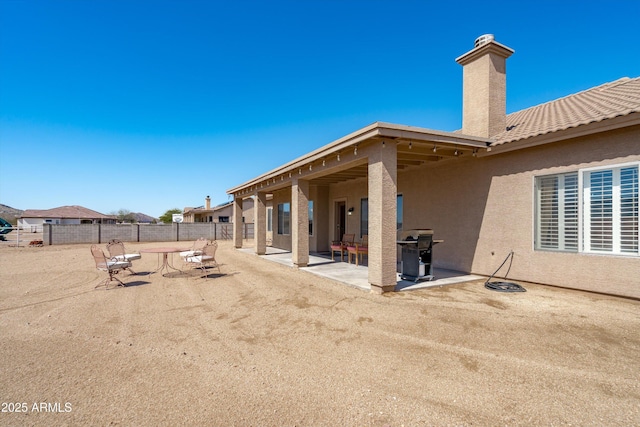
{"x": 415, "y": 147}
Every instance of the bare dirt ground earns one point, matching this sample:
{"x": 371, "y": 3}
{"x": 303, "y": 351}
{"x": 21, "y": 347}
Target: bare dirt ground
{"x": 267, "y": 345}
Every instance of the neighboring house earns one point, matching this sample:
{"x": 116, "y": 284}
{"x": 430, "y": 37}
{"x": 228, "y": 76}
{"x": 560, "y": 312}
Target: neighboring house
{"x": 556, "y": 183}
{"x": 33, "y": 219}
{"x": 222, "y": 213}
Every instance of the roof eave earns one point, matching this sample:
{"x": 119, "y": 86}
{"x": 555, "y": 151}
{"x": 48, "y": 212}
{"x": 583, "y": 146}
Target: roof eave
{"x": 592, "y": 128}
{"x": 375, "y": 130}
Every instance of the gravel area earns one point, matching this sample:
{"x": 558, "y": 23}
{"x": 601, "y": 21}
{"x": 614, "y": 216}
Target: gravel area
{"x": 263, "y": 344}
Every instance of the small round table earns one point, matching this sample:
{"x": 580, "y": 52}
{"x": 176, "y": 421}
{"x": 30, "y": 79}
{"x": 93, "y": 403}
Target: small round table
{"x": 166, "y": 264}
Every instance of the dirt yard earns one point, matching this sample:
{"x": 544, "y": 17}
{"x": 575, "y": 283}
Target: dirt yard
{"x": 267, "y": 345}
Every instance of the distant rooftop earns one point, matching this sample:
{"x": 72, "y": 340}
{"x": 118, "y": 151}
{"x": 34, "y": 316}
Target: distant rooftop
{"x": 73, "y": 211}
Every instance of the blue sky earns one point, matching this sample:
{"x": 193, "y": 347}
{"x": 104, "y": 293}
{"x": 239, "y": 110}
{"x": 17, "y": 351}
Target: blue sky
{"x": 153, "y": 105}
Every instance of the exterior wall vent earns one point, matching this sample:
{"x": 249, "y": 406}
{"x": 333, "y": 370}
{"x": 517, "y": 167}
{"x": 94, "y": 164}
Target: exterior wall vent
{"x": 483, "y": 39}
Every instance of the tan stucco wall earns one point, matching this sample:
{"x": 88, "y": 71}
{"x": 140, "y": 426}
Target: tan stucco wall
{"x": 248, "y": 211}
{"x": 320, "y": 240}
{"x": 483, "y": 208}
{"x": 350, "y": 192}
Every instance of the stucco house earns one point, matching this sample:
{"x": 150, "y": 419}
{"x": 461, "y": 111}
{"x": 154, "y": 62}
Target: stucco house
{"x": 33, "y": 219}
{"x": 222, "y": 213}
{"x": 556, "y": 183}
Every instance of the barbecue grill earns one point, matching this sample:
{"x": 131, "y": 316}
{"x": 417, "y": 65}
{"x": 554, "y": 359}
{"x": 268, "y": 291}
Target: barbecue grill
{"x": 417, "y": 251}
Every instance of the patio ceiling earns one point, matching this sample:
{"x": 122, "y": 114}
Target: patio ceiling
{"x": 410, "y": 154}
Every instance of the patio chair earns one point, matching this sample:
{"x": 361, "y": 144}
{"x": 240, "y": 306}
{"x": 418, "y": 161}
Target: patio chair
{"x": 359, "y": 249}
{"x": 341, "y": 246}
{"x": 117, "y": 252}
{"x": 196, "y": 248}
{"x": 207, "y": 257}
{"x": 112, "y": 267}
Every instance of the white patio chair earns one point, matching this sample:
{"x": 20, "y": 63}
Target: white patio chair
{"x": 205, "y": 259}
{"x": 117, "y": 252}
{"x": 112, "y": 267}
{"x": 196, "y": 248}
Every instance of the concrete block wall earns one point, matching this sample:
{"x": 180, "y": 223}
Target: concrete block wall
{"x": 190, "y": 232}
{"x": 72, "y": 233}
{"x": 158, "y": 233}
{"x": 123, "y": 232}
{"x": 59, "y": 234}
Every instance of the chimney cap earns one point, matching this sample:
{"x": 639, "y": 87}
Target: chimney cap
{"x": 483, "y": 39}
{"x": 485, "y": 44}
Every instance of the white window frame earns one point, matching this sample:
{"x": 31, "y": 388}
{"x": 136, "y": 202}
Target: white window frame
{"x": 585, "y": 225}
{"x": 562, "y": 220}
{"x": 584, "y": 211}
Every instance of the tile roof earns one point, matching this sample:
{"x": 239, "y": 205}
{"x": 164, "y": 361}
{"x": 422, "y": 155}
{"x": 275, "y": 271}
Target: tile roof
{"x": 617, "y": 98}
{"x": 64, "y": 212}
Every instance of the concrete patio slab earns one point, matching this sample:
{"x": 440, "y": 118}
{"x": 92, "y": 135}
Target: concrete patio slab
{"x": 357, "y": 276}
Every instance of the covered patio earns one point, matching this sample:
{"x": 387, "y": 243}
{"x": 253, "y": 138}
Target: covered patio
{"x": 368, "y": 161}
{"x": 358, "y": 276}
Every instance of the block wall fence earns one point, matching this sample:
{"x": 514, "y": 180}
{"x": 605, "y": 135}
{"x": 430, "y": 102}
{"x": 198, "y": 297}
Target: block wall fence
{"x": 58, "y": 234}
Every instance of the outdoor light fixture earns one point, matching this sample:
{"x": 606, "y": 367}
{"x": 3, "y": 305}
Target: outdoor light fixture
{"x": 310, "y": 167}
{"x": 410, "y": 145}
{"x": 455, "y": 153}
{"x": 383, "y": 144}
{"x": 435, "y": 148}
{"x": 322, "y": 162}
{"x": 350, "y": 211}
{"x": 355, "y": 151}
{"x": 338, "y": 156}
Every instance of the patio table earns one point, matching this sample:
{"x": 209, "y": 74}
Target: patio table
{"x": 166, "y": 264}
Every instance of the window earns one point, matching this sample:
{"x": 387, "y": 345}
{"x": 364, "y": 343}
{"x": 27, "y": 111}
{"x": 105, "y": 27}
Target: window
{"x": 269, "y": 219}
{"x": 364, "y": 215}
{"x": 310, "y": 217}
{"x": 611, "y": 210}
{"x": 399, "y": 212}
{"x": 602, "y": 209}
{"x": 223, "y": 219}
{"x": 557, "y": 212}
{"x": 284, "y": 218}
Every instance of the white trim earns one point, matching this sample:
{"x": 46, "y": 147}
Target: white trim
{"x": 585, "y": 212}
{"x": 616, "y": 248}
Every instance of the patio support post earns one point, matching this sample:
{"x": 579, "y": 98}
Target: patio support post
{"x": 300, "y": 222}
{"x": 382, "y": 176}
{"x": 260, "y": 223}
{"x": 237, "y": 222}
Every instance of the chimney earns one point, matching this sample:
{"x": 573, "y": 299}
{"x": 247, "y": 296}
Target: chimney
{"x": 207, "y": 203}
{"x": 484, "y": 87}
